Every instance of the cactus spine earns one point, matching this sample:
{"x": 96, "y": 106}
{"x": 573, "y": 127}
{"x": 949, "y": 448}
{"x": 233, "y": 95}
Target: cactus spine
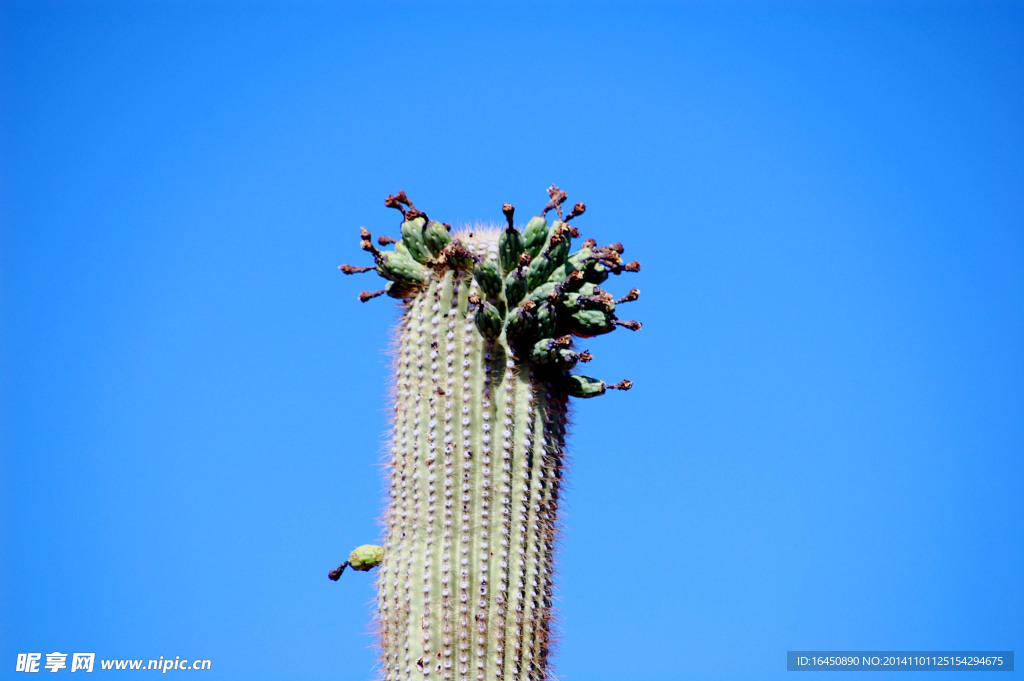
{"x": 481, "y": 395}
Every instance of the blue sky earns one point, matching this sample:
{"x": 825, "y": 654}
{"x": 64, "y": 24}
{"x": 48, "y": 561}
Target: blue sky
{"x": 823, "y": 450}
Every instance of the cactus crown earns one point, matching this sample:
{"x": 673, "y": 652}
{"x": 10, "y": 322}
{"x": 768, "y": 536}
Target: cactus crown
{"x": 534, "y": 291}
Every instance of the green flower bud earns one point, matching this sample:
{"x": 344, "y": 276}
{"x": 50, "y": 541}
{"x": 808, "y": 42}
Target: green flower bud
{"x": 521, "y": 326}
{"x": 436, "y": 237}
{"x": 593, "y": 271}
{"x": 584, "y": 386}
{"x": 590, "y": 297}
{"x": 488, "y": 320}
{"x": 535, "y": 236}
{"x": 574, "y": 262}
{"x": 515, "y": 287}
{"x": 510, "y": 247}
{"x": 560, "y": 274}
{"x": 458, "y": 256}
{"x": 365, "y": 557}
{"x": 540, "y": 294}
{"x": 547, "y": 319}
{"x": 559, "y": 244}
{"x": 580, "y": 257}
{"x": 412, "y": 235}
{"x": 552, "y": 257}
{"x": 587, "y": 323}
{"x": 546, "y": 350}
{"x": 587, "y": 289}
{"x": 556, "y": 351}
{"x": 401, "y": 268}
{"x": 486, "y": 273}
{"x": 539, "y": 271}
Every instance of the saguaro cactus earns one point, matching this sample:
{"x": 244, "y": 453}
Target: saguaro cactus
{"x": 482, "y": 381}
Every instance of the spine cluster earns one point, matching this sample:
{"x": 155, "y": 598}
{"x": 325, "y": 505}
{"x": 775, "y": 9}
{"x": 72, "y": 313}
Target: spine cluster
{"x": 483, "y": 377}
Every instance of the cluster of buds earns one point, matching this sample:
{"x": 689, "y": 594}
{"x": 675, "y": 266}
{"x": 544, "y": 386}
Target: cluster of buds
{"x": 534, "y": 293}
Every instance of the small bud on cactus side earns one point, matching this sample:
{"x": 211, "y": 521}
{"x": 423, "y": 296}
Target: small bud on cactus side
{"x": 483, "y": 374}
{"x": 365, "y": 557}
{"x": 362, "y": 558}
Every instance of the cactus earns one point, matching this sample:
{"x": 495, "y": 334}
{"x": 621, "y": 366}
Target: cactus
{"x": 482, "y": 381}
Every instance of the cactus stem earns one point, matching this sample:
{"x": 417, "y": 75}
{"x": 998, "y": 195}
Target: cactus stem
{"x": 481, "y": 389}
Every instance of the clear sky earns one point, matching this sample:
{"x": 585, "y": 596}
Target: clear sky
{"x": 823, "y": 450}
